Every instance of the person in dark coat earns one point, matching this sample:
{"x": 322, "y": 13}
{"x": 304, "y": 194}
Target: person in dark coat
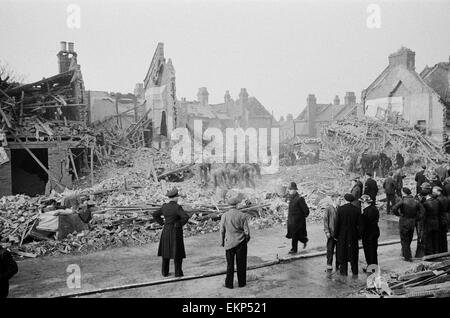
{"x": 296, "y": 223}
{"x": 446, "y": 187}
{"x": 8, "y": 268}
{"x": 399, "y": 160}
{"x": 171, "y": 244}
{"x": 371, "y": 188}
{"x": 410, "y": 211}
{"x": 398, "y": 179}
{"x": 235, "y": 234}
{"x": 420, "y": 179}
{"x": 347, "y": 233}
{"x": 443, "y": 219}
{"x": 435, "y": 181}
{"x": 369, "y": 229}
{"x": 356, "y": 191}
{"x": 389, "y": 189}
{"x": 431, "y": 224}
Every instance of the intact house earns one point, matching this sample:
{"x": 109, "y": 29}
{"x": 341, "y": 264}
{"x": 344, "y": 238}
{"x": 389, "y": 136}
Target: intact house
{"x": 422, "y": 99}
{"x": 43, "y": 131}
{"x": 314, "y": 116}
{"x": 244, "y": 112}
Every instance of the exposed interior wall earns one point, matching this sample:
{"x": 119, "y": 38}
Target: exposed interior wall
{"x": 27, "y": 177}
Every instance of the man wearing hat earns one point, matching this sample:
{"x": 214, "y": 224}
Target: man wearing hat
{"x": 431, "y": 221}
{"x": 8, "y": 268}
{"x": 370, "y": 231}
{"x": 235, "y": 234}
{"x": 420, "y": 178}
{"x": 347, "y": 233}
{"x": 443, "y": 220}
{"x": 171, "y": 244}
{"x": 410, "y": 212}
{"x": 296, "y": 223}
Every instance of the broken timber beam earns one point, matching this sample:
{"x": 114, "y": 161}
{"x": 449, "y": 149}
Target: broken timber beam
{"x": 435, "y": 256}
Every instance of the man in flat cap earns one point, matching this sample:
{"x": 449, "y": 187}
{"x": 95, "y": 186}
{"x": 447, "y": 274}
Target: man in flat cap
{"x": 235, "y": 234}
{"x": 298, "y": 211}
{"x": 410, "y": 211}
{"x": 171, "y": 244}
{"x": 347, "y": 233}
{"x": 370, "y": 231}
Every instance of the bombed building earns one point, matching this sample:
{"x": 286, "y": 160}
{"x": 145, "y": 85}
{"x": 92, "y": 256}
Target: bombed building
{"x": 43, "y": 130}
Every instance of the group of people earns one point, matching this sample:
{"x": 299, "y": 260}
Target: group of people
{"x": 345, "y": 224}
{"x": 234, "y": 236}
{"x": 229, "y": 175}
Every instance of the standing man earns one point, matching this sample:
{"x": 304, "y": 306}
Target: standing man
{"x": 389, "y": 189}
{"x": 347, "y": 233}
{"x": 356, "y": 191}
{"x": 398, "y": 179}
{"x": 171, "y": 244}
{"x": 235, "y": 235}
{"x": 420, "y": 178}
{"x": 431, "y": 223}
{"x": 296, "y": 223}
{"x": 410, "y": 212}
{"x": 369, "y": 229}
{"x": 371, "y": 188}
{"x": 443, "y": 219}
{"x": 8, "y": 268}
{"x": 329, "y": 226}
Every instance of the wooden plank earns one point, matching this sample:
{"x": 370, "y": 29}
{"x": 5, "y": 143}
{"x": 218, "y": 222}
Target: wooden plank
{"x": 8, "y": 123}
{"x": 435, "y": 256}
{"x": 73, "y": 163}
{"x": 92, "y": 165}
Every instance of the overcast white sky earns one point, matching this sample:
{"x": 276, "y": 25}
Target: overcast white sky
{"x": 281, "y": 51}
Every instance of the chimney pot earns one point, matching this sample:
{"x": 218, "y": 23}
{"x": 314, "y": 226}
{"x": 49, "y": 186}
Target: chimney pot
{"x": 63, "y": 46}
{"x": 70, "y": 49}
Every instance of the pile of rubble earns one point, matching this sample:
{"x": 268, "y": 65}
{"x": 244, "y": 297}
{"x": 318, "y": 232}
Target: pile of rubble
{"x": 430, "y": 278}
{"x": 358, "y": 136}
{"x": 121, "y": 206}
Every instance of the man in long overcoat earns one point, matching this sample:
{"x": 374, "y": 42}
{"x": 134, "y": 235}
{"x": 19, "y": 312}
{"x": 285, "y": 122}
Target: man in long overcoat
{"x": 297, "y": 213}
{"x": 389, "y": 188}
{"x": 370, "y": 231}
{"x": 431, "y": 224}
{"x": 171, "y": 244}
{"x": 347, "y": 233}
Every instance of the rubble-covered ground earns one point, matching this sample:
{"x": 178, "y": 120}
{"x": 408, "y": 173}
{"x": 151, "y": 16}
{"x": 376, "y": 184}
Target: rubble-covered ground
{"x": 126, "y": 194}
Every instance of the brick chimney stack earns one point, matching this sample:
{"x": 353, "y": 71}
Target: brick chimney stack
{"x": 350, "y": 98}
{"x": 336, "y": 100}
{"x": 311, "y": 105}
{"x": 65, "y": 56}
{"x": 404, "y": 57}
{"x": 227, "y": 97}
{"x": 243, "y": 96}
{"x": 202, "y": 96}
